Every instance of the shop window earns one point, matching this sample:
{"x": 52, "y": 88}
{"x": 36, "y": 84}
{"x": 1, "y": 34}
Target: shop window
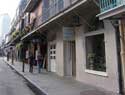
{"x": 95, "y": 53}
{"x": 51, "y": 47}
{"x": 53, "y": 51}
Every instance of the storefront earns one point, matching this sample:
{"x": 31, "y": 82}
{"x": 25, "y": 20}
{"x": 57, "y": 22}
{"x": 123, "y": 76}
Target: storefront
{"x": 69, "y": 51}
{"x": 52, "y": 56}
{"x": 96, "y": 57}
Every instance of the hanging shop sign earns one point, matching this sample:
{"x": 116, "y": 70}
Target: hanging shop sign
{"x": 68, "y": 34}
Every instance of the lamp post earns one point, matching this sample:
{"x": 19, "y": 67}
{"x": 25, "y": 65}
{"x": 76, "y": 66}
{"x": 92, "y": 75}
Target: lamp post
{"x": 23, "y": 58}
{"x": 12, "y": 55}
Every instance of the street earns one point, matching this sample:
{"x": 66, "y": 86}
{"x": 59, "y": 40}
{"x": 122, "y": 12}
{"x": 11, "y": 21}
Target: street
{"x": 11, "y": 83}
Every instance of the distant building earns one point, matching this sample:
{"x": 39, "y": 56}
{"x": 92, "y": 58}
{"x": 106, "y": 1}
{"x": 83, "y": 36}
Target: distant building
{"x": 4, "y": 26}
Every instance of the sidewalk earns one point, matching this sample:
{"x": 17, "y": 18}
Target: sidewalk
{"x": 51, "y": 84}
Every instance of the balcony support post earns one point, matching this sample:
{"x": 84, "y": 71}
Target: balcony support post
{"x": 122, "y": 41}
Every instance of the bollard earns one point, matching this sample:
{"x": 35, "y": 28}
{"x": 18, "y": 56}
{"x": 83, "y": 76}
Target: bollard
{"x": 23, "y": 66}
{"x": 12, "y": 61}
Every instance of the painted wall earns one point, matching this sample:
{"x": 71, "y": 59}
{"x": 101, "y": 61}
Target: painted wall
{"x": 59, "y": 53}
{"x": 56, "y": 35}
{"x": 68, "y": 2}
{"x": 36, "y": 13}
{"x": 109, "y": 82}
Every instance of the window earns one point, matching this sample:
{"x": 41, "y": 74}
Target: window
{"x": 53, "y": 51}
{"x": 95, "y": 49}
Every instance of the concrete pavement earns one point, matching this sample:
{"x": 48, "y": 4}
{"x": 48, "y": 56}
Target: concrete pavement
{"x": 51, "y": 84}
{"x": 11, "y": 83}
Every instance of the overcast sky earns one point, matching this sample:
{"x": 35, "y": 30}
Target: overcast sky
{"x": 8, "y": 6}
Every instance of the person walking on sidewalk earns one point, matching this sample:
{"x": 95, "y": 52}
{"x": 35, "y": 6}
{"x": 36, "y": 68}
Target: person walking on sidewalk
{"x": 8, "y": 55}
{"x": 39, "y": 60}
{"x": 12, "y": 55}
{"x": 27, "y": 56}
{"x": 31, "y": 61}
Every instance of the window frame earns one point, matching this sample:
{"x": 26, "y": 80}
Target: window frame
{"x": 94, "y": 72}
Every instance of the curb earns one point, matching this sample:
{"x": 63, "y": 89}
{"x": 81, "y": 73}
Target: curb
{"x": 34, "y": 87}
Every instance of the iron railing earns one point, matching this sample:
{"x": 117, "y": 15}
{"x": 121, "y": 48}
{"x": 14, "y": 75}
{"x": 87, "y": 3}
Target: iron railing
{"x": 52, "y": 10}
{"x": 109, "y": 4}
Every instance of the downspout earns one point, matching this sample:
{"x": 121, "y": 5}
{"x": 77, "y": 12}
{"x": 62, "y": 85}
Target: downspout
{"x": 122, "y": 43}
{"x": 120, "y": 80}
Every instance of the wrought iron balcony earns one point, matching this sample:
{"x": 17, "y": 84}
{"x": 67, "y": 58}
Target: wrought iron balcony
{"x": 111, "y": 8}
{"x": 30, "y": 4}
{"x": 52, "y": 10}
{"x": 109, "y": 4}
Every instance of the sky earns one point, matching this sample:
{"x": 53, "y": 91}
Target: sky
{"x": 8, "y": 6}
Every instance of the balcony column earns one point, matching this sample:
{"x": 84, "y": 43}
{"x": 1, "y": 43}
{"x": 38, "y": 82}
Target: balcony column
{"x": 122, "y": 41}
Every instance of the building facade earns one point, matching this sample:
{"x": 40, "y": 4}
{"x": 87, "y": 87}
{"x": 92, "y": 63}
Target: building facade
{"x": 114, "y": 11}
{"x": 73, "y": 40}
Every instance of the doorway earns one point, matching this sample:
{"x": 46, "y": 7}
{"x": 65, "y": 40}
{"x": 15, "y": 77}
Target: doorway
{"x": 52, "y": 55}
{"x": 69, "y": 58}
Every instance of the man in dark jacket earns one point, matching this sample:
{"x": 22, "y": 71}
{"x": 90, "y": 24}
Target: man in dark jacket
{"x": 31, "y": 61}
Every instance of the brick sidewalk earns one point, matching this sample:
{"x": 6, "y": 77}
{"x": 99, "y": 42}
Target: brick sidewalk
{"x": 51, "y": 84}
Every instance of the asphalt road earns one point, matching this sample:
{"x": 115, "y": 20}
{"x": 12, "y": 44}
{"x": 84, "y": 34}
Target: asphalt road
{"x": 11, "y": 83}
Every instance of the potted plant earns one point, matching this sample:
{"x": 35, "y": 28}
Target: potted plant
{"x": 15, "y": 33}
{"x": 19, "y": 45}
{"x": 91, "y": 58}
{"x": 27, "y": 28}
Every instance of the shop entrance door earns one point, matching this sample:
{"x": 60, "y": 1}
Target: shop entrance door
{"x": 52, "y": 57}
{"x": 69, "y": 58}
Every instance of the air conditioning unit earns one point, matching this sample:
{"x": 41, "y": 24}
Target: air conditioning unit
{"x": 76, "y": 21}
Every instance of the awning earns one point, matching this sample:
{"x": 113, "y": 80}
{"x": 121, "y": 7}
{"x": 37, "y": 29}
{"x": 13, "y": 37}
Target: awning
{"x": 116, "y": 13}
{"x": 62, "y": 13}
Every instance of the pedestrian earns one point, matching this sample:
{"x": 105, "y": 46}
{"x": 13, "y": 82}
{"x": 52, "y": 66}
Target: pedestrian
{"x": 31, "y": 62}
{"x": 27, "y": 56}
{"x": 12, "y": 56}
{"x": 36, "y": 56}
{"x": 8, "y": 54}
{"x": 39, "y": 60}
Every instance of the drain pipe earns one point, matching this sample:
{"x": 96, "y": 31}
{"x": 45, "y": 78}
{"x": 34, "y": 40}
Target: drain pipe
{"x": 119, "y": 56}
{"x": 122, "y": 44}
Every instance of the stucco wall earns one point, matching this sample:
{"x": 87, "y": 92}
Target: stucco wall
{"x": 109, "y": 82}
{"x": 59, "y": 49}
{"x": 59, "y": 52}
{"x": 68, "y": 2}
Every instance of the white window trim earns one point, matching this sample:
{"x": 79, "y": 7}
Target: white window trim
{"x": 92, "y": 33}
{"x": 104, "y": 74}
